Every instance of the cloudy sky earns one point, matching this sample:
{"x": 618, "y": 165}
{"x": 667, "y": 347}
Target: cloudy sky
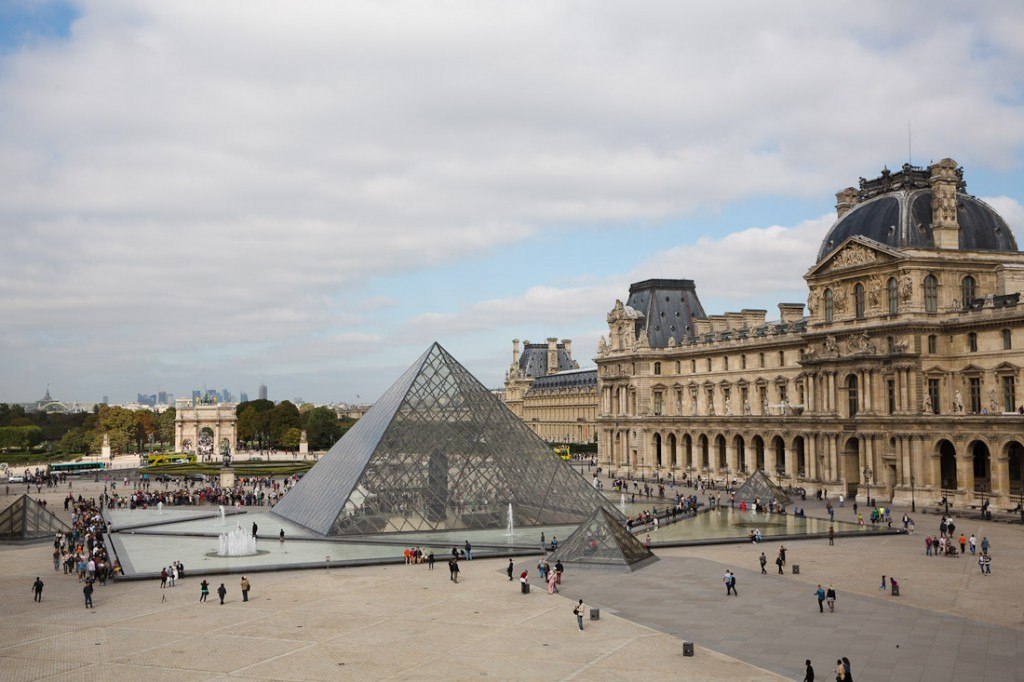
{"x": 214, "y": 193}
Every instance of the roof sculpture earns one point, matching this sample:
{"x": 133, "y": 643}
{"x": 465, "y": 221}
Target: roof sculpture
{"x": 437, "y": 452}
{"x": 27, "y": 519}
{"x": 758, "y": 486}
{"x": 603, "y": 541}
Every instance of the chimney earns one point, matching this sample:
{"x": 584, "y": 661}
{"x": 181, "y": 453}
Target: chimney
{"x": 567, "y": 344}
{"x": 717, "y": 323}
{"x": 701, "y": 326}
{"x": 734, "y": 321}
{"x": 945, "y": 176}
{"x": 552, "y": 355}
{"x": 791, "y": 312}
{"x": 755, "y": 316}
{"x": 845, "y": 201}
{"x": 515, "y": 352}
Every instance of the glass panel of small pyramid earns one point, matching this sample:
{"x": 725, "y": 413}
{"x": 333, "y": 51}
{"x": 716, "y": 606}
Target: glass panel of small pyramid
{"x": 602, "y": 540}
{"x": 26, "y": 519}
{"x": 759, "y": 487}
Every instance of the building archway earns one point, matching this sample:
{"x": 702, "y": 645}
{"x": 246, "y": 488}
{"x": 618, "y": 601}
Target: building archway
{"x": 801, "y": 456}
{"x": 851, "y": 466}
{"x": 741, "y": 453}
{"x": 722, "y": 460}
{"x": 1015, "y": 466}
{"x": 947, "y": 465}
{"x": 779, "y": 448}
{"x": 758, "y": 444}
{"x": 982, "y": 467}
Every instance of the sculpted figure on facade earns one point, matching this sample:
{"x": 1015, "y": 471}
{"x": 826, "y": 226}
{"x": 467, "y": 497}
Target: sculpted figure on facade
{"x": 852, "y": 256}
{"x": 958, "y": 402}
{"x": 671, "y": 342}
{"x": 746, "y": 408}
{"x": 928, "y": 407}
{"x": 875, "y": 292}
{"x": 693, "y": 403}
{"x": 602, "y": 346}
{"x": 901, "y": 344}
{"x": 831, "y": 347}
{"x": 764, "y": 404}
{"x": 728, "y": 407}
{"x": 642, "y": 342}
{"x": 906, "y": 288}
{"x": 993, "y": 406}
{"x": 860, "y": 343}
{"x": 813, "y": 299}
{"x": 839, "y": 300}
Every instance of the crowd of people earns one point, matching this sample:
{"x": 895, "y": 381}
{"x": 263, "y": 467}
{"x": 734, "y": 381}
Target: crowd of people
{"x": 82, "y": 551}
{"x": 251, "y": 492}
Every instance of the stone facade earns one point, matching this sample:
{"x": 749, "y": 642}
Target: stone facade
{"x": 903, "y": 382}
{"x": 546, "y": 388}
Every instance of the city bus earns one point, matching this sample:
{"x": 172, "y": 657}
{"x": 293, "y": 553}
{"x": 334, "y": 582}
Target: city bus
{"x": 171, "y": 458}
{"x": 77, "y": 467}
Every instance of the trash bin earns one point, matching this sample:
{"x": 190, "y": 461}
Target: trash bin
{"x": 796, "y": 569}
{"x": 525, "y": 587}
{"x": 595, "y": 614}
{"x": 895, "y": 590}
{"x": 687, "y": 648}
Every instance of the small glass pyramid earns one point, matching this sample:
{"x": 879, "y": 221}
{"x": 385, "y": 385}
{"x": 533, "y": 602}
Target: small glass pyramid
{"x": 26, "y": 519}
{"x": 759, "y": 487}
{"x": 438, "y": 451}
{"x": 602, "y": 540}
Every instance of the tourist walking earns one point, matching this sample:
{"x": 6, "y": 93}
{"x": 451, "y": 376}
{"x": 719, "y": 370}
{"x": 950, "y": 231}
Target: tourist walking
{"x": 820, "y": 594}
{"x": 559, "y": 569}
{"x": 222, "y": 592}
{"x": 840, "y": 671}
{"x": 831, "y": 536}
{"x": 764, "y": 562}
{"x": 730, "y": 583}
{"x": 830, "y": 598}
{"x": 973, "y": 542}
{"x": 430, "y": 561}
{"x": 37, "y": 588}
{"x": 984, "y": 545}
{"x": 204, "y": 591}
{"x": 87, "y": 591}
{"x": 963, "y": 543}
{"x": 510, "y": 569}
{"x": 580, "y": 609}
{"x": 245, "y": 588}
{"x": 254, "y": 528}
{"x": 778, "y": 562}
{"x": 281, "y": 535}
{"x": 469, "y": 551}
{"x": 163, "y": 578}
{"x": 847, "y": 669}
{"x": 808, "y": 671}
{"x": 552, "y": 588}
{"x": 455, "y": 572}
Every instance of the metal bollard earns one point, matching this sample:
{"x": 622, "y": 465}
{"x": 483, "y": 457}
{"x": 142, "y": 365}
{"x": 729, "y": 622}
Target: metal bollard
{"x": 595, "y": 614}
{"x": 687, "y": 648}
{"x": 796, "y": 569}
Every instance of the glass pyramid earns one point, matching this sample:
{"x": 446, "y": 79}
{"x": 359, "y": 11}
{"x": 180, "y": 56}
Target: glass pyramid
{"x": 438, "y": 452}
{"x": 759, "y": 487}
{"x": 602, "y": 540}
{"x": 26, "y": 519}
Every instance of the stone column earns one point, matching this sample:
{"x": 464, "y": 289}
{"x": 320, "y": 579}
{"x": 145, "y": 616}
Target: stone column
{"x": 999, "y": 474}
{"x": 811, "y": 382}
{"x": 811, "y": 456}
{"x": 964, "y": 471}
{"x": 769, "y": 458}
{"x": 790, "y": 454}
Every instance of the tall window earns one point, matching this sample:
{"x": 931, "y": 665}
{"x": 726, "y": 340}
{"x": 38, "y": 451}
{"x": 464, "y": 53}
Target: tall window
{"x": 658, "y": 403}
{"x": 968, "y": 289}
{"x": 725, "y": 362}
{"x": 890, "y": 345}
{"x": 657, "y": 368}
{"x": 933, "y": 344}
{"x": 760, "y": 359}
{"x": 892, "y": 293}
{"x": 1009, "y": 397}
{"x": 858, "y": 300}
{"x": 931, "y": 294}
{"x": 890, "y": 392}
{"x": 974, "y": 388}
{"x": 693, "y": 366}
{"x": 933, "y": 394}
{"x": 1007, "y": 339}
{"x": 972, "y": 342}
{"x": 829, "y": 307}
{"x": 851, "y": 390}
{"x": 709, "y": 364}
{"x": 743, "y": 361}
{"x": 782, "y": 358}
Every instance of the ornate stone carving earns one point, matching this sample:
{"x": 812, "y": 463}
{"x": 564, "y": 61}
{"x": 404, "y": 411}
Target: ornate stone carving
{"x": 958, "y": 402}
{"x": 831, "y": 347}
{"x": 860, "y": 343}
{"x": 728, "y": 407}
{"x": 746, "y": 407}
{"x": 900, "y": 344}
{"x": 906, "y": 288}
{"x": 672, "y": 342}
{"x": 602, "y": 346}
{"x": 621, "y": 312}
{"x": 839, "y": 300}
{"x": 993, "y": 406}
{"x": 813, "y": 299}
{"x": 928, "y": 408}
{"x": 852, "y": 256}
{"x": 875, "y": 292}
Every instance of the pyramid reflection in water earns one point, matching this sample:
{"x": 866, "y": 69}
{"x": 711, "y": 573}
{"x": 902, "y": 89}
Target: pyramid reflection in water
{"x": 438, "y": 452}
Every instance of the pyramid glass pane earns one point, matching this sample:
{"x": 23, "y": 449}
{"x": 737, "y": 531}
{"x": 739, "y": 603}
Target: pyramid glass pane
{"x": 443, "y": 453}
{"x": 602, "y": 540}
{"x": 25, "y": 518}
{"x": 760, "y": 488}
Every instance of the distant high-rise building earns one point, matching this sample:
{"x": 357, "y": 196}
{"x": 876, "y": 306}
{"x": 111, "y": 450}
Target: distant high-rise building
{"x": 243, "y": 397}
{"x": 144, "y": 399}
{"x": 263, "y": 392}
{"x": 298, "y": 401}
{"x": 225, "y": 395}
{"x": 106, "y": 400}
{"x": 161, "y": 397}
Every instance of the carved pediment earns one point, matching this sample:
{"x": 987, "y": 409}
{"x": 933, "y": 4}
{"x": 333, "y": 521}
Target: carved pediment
{"x": 855, "y": 252}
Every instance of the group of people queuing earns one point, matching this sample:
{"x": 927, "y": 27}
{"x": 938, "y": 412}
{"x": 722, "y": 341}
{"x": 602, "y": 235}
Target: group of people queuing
{"x": 252, "y": 492}
{"x": 82, "y": 551}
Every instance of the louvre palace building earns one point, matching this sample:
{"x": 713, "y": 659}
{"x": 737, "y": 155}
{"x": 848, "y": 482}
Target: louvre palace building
{"x": 902, "y": 382}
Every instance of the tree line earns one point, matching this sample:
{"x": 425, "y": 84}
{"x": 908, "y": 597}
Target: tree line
{"x": 262, "y": 424}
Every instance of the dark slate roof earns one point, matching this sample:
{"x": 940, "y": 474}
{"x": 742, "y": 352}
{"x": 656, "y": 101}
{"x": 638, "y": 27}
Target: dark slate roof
{"x": 668, "y": 306}
{"x": 903, "y": 219}
{"x": 534, "y": 359}
{"x": 574, "y": 378}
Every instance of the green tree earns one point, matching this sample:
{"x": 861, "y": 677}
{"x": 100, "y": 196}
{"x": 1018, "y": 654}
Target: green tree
{"x": 322, "y": 428}
{"x": 119, "y": 424}
{"x": 20, "y": 437}
{"x": 284, "y": 416}
{"x": 165, "y": 426}
{"x": 75, "y": 442}
{"x": 253, "y": 420}
{"x": 290, "y": 438}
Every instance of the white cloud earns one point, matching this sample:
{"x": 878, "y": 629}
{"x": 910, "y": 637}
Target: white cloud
{"x": 206, "y": 183}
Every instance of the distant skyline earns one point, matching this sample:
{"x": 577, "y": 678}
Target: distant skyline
{"x": 307, "y": 195}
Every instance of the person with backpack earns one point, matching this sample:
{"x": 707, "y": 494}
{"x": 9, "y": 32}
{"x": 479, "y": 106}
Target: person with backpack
{"x": 579, "y": 610}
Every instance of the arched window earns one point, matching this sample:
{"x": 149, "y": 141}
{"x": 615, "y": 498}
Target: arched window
{"x": 972, "y": 342}
{"x": 933, "y": 344}
{"x": 1007, "y": 339}
{"x": 829, "y": 309}
{"x": 968, "y": 289}
{"x": 858, "y": 300}
{"x": 931, "y": 294}
{"x": 851, "y": 388}
{"x": 892, "y": 293}
{"x": 657, "y": 368}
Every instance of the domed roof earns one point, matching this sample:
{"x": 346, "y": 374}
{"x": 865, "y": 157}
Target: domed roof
{"x": 896, "y": 210}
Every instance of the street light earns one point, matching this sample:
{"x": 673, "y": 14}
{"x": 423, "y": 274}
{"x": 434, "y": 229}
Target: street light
{"x": 867, "y": 484}
{"x": 913, "y": 503}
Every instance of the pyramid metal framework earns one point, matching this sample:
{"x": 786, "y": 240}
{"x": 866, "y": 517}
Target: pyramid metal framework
{"x": 758, "y": 486}
{"x": 26, "y": 519}
{"x": 603, "y": 541}
{"x": 438, "y": 451}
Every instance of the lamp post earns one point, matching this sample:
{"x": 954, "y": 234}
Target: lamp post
{"x": 913, "y": 503}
